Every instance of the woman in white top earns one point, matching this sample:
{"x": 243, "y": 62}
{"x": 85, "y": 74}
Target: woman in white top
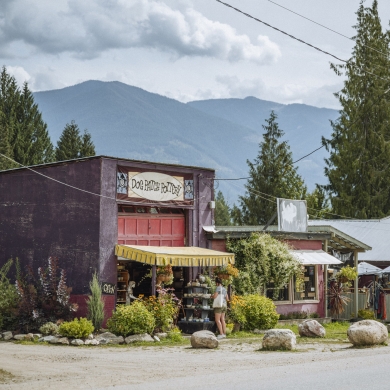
{"x": 220, "y": 312}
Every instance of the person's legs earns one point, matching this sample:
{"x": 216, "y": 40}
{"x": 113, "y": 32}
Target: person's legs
{"x": 218, "y": 322}
{"x": 223, "y": 323}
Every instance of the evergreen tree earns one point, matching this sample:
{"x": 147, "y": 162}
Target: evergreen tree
{"x": 358, "y": 167}
{"x": 318, "y": 204}
{"x": 32, "y": 143}
{"x": 87, "y": 146}
{"x": 72, "y": 145}
{"x": 271, "y": 174}
{"x": 222, "y": 211}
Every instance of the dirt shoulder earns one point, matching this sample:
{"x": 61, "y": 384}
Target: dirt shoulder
{"x": 63, "y": 367}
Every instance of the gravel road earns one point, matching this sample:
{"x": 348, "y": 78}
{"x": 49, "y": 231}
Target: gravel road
{"x": 236, "y": 364}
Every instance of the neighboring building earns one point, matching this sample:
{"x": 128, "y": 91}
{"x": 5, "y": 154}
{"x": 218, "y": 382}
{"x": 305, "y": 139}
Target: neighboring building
{"x": 313, "y": 248}
{"x": 79, "y": 210}
{"x": 374, "y": 232}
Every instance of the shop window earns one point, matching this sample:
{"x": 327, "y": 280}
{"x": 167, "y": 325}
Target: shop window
{"x": 282, "y": 295}
{"x": 305, "y": 287}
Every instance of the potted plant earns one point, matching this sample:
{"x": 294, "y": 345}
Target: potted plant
{"x": 165, "y": 274}
{"x": 226, "y": 272}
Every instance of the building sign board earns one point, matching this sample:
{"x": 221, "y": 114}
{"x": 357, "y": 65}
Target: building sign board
{"x": 108, "y": 288}
{"x": 158, "y": 187}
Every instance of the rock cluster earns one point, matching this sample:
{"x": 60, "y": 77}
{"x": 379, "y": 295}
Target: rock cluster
{"x": 311, "y": 328}
{"x": 279, "y": 339}
{"x": 367, "y": 332}
{"x": 204, "y": 339}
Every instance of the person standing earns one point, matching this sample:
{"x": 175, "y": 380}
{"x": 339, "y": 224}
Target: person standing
{"x": 220, "y": 307}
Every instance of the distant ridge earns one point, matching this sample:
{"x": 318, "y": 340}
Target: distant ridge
{"x": 127, "y": 121}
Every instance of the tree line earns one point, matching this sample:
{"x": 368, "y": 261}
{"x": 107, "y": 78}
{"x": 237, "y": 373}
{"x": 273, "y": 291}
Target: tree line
{"x": 358, "y": 167}
{"x": 24, "y": 137}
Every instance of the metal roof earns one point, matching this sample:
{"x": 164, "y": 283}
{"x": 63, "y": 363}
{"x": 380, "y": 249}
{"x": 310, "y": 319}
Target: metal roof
{"x": 374, "y": 232}
{"x": 337, "y": 238}
{"x": 106, "y": 157}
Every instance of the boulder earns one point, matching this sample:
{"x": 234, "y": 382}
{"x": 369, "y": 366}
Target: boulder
{"x": 204, "y": 339}
{"x": 1, "y": 336}
{"x": 139, "y": 337}
{"x": 162, "y": 335}
{"x": 91, "y": 342}
{"x": 7, "y": 335}
{"x": 29, "y": 336}
{"x": 90, "y": 337}
{"x": 37, "y": 335}
{"x": 20, "y": 337}
{"x": 77, "y": 342}
{"x": 279, "y": 339}
{"x": 63, "y": 340}
{"x": 311, "y": 328}
{"x": 367, "y": 332}
{"x": 46, "y": 339}
{"x": 156, "y": 338}
{"x": 109, "y": 338}
{"x": 53, "y": 340}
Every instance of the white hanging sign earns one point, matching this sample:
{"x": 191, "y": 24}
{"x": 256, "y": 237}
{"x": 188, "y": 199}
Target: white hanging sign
{"x": 155, "y": 186}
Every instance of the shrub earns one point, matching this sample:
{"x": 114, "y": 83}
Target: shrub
{"x": 8, "y": 297}
{"x": 366, "y": 314}
{"x": 259, "y": 312}
{"x": 175, "y": 335}
{"x": 131, "y": 319}
{"x": 49, "y": 329}
{"x": 164, "y": 309}
{"x": 236, "y": 312}
{"x": 78, "y": 328}
{"x": 95, "y": 303}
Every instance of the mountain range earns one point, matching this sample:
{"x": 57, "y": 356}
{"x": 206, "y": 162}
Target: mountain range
{"x": 129, "y": 122}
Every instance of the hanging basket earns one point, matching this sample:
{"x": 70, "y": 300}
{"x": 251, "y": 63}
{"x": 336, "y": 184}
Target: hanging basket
{"x": 163, "y": 278}
{"x": 224, "y": 276}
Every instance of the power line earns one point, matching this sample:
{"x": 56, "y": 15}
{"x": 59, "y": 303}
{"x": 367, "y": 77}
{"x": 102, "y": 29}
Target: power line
{"x": 80, "y": 189}
{"x": 321, "y": 25}
{"x": 300, "y": 40}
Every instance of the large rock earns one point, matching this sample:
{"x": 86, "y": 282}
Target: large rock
{"x": 47, "y": 339}
{"x": 204, "y": 339}
{"x": 109, "y": 338}
{"x": 161, "y": 335}
{"x": 91, "y": 342}
{"x": 367, "y": 332}
{"x": 139, "y": 337}
{"x": 20, "y": 337}
{"x": 279, "y": 339}
{"x": 59, "y": 340}
{"x": 311, "y": 328}
{"x": 77, "y": 342}
{"x": 7, "y": 335}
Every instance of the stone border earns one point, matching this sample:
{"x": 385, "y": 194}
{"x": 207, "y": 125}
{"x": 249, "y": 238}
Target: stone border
{"x": 325, "y": 320}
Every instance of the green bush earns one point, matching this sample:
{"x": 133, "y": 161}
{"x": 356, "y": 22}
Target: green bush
{"x": 95, "y": 303}
{"x": 259, "y": 311}
{"x": 78, "y": 328}
{"x": 175, "y": 335}
{"x": 366, "y": 314}
{"x": 8, "y": 298}
{"x": 49, "y": 329}
{"x": 131, "y": 319}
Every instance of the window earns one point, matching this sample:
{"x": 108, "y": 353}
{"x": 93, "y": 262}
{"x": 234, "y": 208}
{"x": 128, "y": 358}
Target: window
{"x": 307, "y": 290}
{"x": 282, "y": 295}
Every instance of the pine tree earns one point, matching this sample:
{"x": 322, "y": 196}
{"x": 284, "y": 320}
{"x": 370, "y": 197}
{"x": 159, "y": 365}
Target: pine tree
{"x": 87, "y": 147}
{"x": 32, "y": 143}
{"x": 72, "y": 145}
{"x": 9, "y": 95}
{"x": 358, "y": 167}
{"x": 95, "y": 303}
{"x": 222, "y": 211}
{"x": 271, "y": 174}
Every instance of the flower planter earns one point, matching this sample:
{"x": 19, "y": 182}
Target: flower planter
{"x": 163, "y": 278}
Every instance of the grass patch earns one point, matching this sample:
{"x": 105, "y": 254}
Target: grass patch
{"x": 6, "y": 376}
{"x": 243, "y": 335}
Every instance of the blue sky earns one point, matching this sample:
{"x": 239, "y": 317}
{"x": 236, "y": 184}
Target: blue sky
{"x": 184, "y": 49}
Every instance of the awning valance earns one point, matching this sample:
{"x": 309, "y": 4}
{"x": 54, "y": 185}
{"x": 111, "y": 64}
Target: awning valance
{"x": 186, "y": 256}
{"x": 314, "y": 257}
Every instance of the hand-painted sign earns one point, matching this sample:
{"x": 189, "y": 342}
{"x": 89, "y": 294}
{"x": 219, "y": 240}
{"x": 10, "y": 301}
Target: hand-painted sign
{"x": 155, "y": 186}
{"x": 108, "y": 288}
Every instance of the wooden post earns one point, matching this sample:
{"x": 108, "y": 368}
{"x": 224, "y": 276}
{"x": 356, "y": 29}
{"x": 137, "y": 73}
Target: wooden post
{"x": 356, "y": 292}
{"x": 154, "y": 279}
{"x": 326, "y": 280}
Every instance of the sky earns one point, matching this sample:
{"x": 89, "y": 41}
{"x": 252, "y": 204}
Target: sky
{"x": 183, "y": 49}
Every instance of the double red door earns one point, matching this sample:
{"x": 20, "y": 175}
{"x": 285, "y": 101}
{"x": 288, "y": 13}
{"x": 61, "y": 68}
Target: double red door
{"x": 152, "y": 230}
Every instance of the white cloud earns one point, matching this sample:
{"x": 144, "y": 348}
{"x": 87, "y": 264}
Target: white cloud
{"x": 89, "y": 27}
{"x": 20, "y": 74}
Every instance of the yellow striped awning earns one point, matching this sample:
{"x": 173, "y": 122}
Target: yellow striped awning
{"x": 186, "y": 256}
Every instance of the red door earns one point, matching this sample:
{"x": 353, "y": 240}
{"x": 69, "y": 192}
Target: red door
{"x": 152, "y": 229}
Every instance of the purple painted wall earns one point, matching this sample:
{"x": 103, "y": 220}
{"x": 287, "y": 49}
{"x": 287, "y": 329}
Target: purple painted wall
{"x": 40, "y": 217}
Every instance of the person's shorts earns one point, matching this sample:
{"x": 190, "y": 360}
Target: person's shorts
{"x": 219, "y": 310}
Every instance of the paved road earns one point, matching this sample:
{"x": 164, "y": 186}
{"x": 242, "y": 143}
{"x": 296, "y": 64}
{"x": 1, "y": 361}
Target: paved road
{"x": 366, "y": 371}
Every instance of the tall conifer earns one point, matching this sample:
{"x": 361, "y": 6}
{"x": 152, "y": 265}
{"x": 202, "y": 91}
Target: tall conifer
{"x": 358, "y": 168}
{"x": 222, "y": 211}
{"x": 270, "y": 173}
